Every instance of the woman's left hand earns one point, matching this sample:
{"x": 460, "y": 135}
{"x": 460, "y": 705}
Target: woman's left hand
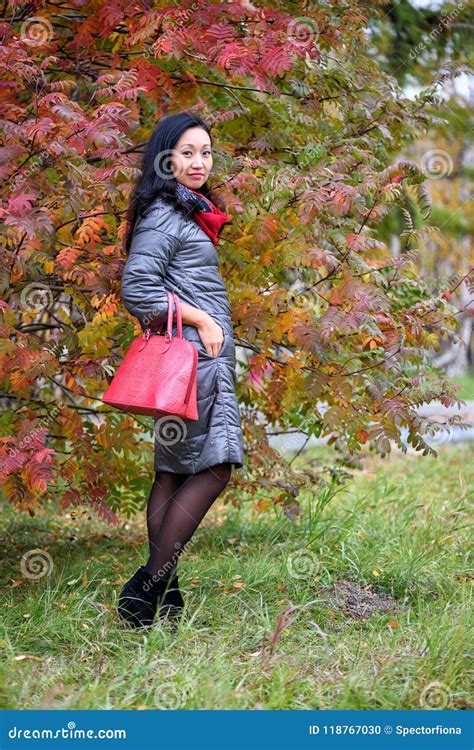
{"x": 211, "y": 335}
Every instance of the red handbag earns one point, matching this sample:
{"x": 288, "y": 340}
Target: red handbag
{"x": 158, "y": 375}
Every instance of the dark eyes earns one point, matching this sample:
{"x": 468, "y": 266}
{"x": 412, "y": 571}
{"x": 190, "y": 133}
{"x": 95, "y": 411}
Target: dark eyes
{"x": 187, "y": 153}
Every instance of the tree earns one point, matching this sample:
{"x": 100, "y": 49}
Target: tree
{"x": 335, "y": 333}
{"x": 418, "y": 45}
{"x": 412, "y": 40}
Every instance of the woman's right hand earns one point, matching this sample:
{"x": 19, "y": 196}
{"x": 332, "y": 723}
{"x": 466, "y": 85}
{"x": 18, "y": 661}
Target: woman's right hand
{"x": 211, "y": 335}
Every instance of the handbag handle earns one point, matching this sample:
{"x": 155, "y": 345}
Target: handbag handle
{"x": 173, "y": 301}
{"x": 172, "y": 297}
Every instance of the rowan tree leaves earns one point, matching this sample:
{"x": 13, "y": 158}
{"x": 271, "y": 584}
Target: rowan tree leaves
{"x": 308, "y": 128}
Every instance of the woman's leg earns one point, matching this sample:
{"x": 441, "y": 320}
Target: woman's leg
{"x": 162, "y": 491}
{"x": 181, "y": 514}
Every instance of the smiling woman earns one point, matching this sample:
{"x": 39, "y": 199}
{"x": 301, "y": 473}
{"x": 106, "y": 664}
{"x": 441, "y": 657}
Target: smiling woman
{"x": 174, "y": 224}
{"x": 192, "y": 160}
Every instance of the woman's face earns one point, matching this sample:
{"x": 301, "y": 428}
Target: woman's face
{"x": 192, "y": 158}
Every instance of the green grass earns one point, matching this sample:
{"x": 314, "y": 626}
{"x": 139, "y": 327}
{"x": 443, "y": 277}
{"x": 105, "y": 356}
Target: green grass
{"x": 379, "y": 576}
{"x": 466, "y": 392}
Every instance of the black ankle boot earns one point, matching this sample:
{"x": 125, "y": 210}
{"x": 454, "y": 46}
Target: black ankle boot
{"x": 172, "y": 603}
{"x": 138, "y": 600}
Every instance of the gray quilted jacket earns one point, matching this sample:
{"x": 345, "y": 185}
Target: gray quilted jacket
{"x": 171, "y": 251}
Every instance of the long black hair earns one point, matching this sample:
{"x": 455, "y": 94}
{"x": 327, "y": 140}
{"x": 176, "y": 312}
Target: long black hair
{"x": 157, "y": 177}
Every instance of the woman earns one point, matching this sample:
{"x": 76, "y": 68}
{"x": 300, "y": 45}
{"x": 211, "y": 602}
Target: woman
{"x": 173, "y": 225}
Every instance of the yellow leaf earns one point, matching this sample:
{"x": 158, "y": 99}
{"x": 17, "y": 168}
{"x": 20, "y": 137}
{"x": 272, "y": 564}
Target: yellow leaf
{"x": 118, "y": 41}
{"x": 262, "y": 505}
{"x": 375, "y": 573}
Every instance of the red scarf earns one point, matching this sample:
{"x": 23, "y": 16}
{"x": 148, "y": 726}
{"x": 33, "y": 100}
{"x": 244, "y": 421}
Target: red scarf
{"x": 210, "y": 221}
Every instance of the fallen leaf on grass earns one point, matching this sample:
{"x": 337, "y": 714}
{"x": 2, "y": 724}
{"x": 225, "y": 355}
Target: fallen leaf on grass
{"x": 22, "y": 657}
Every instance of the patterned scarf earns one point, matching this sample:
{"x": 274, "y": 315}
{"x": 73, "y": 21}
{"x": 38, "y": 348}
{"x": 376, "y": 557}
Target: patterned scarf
{"x": 206, "y": 214}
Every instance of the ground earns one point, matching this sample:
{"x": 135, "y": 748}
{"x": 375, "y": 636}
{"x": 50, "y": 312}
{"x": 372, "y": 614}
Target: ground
{"x": 363, "y": 604}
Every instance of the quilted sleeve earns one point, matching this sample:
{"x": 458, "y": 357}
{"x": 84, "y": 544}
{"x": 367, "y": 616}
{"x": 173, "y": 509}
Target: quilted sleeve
{"x": 154, "y": 242}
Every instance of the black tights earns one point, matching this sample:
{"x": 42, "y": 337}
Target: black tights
{"x": 176, "y": 506}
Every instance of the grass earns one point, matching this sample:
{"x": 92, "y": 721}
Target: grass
{"x": 466, "y": 392}
{"x": 361, "y": 604}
